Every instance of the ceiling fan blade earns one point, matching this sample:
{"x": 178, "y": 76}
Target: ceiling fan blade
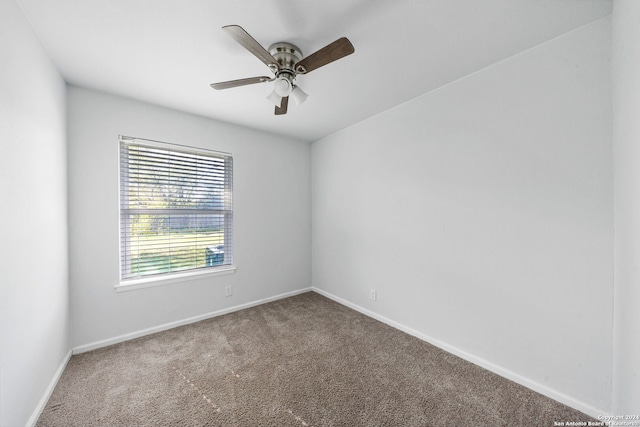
{"x": 241, "y": 36}
{"x": 240, "y": 82}
{"x": 282, "y": 109}
{"x": 331, "y": 52}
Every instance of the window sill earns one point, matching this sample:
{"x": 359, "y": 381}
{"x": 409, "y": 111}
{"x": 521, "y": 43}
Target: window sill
{"x": 148, "y": 282}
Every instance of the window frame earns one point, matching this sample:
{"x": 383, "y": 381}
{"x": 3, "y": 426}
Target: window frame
{"x": 156, "y": 279}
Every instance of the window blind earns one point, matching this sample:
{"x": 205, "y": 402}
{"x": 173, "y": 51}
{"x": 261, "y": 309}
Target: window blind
{"x": 175, "y": 208}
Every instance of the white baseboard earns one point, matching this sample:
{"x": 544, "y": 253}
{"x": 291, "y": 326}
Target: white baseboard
{"x": 171, "y": 325}
{"x": 526, "y": 382}
{"x": 47, "y": 394}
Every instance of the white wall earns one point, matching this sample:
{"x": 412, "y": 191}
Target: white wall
{"x": 482, "y": 214}
{"x": 272, "y": 228}
{"x": 626, "y": 161}
{"x": 34, "y": 311}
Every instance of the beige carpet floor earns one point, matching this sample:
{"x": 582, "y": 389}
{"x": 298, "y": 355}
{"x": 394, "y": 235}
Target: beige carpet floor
{"x": 300, "y": 361}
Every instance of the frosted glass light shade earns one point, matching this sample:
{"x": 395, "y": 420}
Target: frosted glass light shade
{"x": 274, "y": 98}
{"x": 282, "y": 86}
{"x": 298, "y": 95}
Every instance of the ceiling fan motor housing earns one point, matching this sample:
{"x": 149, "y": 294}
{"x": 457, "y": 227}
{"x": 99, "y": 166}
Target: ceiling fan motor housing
{"x": 287, "y": 56}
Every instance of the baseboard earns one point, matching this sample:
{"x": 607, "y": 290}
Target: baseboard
{"x": 496, "y": 369}
{"x": 171, "y": 325}
{"x": 47, "y": 394}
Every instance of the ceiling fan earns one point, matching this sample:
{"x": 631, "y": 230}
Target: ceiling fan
{"x": 285, "y": 61}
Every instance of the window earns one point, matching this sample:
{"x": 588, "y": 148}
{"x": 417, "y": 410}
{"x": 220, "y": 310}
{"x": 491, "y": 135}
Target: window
{"x": 175, "y": 209}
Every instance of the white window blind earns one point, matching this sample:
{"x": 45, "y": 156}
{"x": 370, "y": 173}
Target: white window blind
{"x": 175, "y": 208}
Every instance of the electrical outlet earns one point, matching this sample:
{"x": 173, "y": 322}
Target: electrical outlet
{"x": 228, "y": 291}
{"x": 373, "y": 295}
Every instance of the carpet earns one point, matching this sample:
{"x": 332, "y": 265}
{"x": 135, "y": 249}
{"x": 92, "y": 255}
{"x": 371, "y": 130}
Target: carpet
{"x": 301, "y": 361}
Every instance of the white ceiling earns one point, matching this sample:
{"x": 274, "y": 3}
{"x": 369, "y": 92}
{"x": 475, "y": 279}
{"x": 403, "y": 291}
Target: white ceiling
{"x": 167, "y": 52}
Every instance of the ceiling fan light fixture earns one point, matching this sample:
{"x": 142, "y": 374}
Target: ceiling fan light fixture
{"x": 298, "y": 95}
